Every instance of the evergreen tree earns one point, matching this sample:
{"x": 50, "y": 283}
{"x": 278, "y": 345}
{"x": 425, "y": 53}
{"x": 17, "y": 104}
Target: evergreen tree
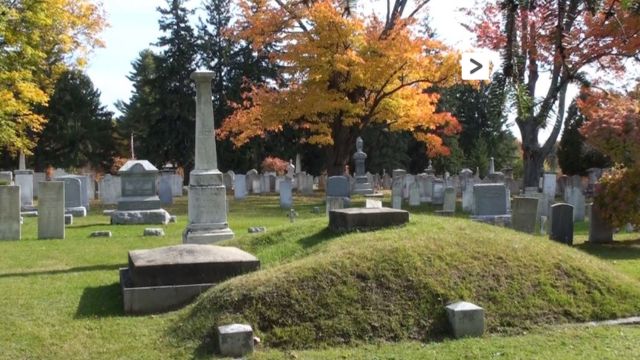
{"x": 80, "y": 130}
{"x": 575, "y": 156}
{"x": 141, "y": 112}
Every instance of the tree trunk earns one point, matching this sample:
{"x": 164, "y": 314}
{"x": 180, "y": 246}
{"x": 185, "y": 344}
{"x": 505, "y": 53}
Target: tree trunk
{"x": 532, "y": 153}
{"x": 339, "y": 155}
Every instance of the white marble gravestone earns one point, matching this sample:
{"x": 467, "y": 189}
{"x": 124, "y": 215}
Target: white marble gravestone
{"x": 24, "y": 179}
{"x": 286, "y": 195}
{"x": 239, "y": 186}
{"x": 207, "y": 194}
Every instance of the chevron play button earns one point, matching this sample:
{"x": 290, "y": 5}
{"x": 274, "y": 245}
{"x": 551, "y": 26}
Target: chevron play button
{"x": 475, "y": 66}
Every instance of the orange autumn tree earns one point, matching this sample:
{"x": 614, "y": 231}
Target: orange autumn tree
{"x": 554, "y": 40}
{"x": 341, "y": 72}
{"x": 613, "y": 127}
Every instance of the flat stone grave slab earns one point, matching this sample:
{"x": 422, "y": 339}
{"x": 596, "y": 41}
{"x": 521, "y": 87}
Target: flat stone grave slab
{"x": 188, "y": 264}
{"x": 167, "y": 278}
{"x": 366, "y": 218}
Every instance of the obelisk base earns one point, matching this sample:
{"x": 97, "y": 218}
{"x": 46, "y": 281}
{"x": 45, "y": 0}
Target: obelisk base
{"x": 207, "y": 209}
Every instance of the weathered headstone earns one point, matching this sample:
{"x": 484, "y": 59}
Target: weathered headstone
{"x": 37, "y": 178}
{"x": 523, "y": 214}
{"x": 6, "y": 178}
{"x": 239, "y": 186}
{"x": 207, "y": 194}
{"x": 466, "y": 183}
{"x": 489, "y": 199}
{"x": 110, "y": 189}
{"x": 73, "y": 195}
{"x": 286, "y": 194}
{"x": 24, "y": 179}
{"x": 165, "y": 192}
{"x": 600, "y": 231}
{"x": 9, "y": 212}
{"x": 414, "y": 194}
{"x": 334, "y": 203}
{"x": 51, "y": 209}
{"x": 228, "y": 178}
{"x": 396, "y": 192}
{"x": 437, "y": 191}
{"x": 251, "y": 177}
{"x": 549, "y": 183}
{"x": 561, "y": 223}
{"x": 449, "y": 204}
{"x": 338, "y": 186}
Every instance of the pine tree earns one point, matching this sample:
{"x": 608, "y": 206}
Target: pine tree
{"x": 80, "y": 130}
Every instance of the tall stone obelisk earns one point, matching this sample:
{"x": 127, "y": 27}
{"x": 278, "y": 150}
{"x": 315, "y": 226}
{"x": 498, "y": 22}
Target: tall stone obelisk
{"x": 207, "y": 194}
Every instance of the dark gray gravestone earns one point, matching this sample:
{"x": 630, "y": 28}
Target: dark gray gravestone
{"x": 72, "y": 191}
{"x": 562, "y": 223}
{"x": 600, "y": 231}
{"x": 165, "y": 192}
{"x": 523, "y": 214}
{"x": 489, "y": 199}
{"x": 338, "y": 186}
{"x": 366, "y": 219}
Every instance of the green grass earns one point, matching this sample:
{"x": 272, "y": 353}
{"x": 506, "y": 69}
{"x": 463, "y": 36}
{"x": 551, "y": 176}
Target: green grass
{"x": 60, "y": 299}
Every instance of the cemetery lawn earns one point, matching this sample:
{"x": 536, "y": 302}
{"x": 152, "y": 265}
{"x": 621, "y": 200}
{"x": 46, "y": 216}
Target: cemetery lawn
{"x": 340, "y": 296}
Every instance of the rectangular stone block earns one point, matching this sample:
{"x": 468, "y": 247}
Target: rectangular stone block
{"x": 489, "y": 199}
{"x": 9, "y": 212}
{"x": 524, "y": 214}
{"x": 235, "y": 340}
{"x": 466, "y": 319}
{"x": 188, "y": 264}
{"x": 24, "y": 179}
{"x": 51, "y": 210}
{"x": 562, "y": 223}
{"x": 366, "y": 219}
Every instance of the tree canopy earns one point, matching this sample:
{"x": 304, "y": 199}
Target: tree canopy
{"x": 39, "y": 40}
{"x": 340, "y": 73}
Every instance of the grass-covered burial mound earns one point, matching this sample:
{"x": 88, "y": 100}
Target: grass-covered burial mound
{"x": 393, "y": 285}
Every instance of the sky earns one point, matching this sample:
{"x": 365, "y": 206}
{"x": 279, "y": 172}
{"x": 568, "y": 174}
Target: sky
{"x": 133, "y": 26}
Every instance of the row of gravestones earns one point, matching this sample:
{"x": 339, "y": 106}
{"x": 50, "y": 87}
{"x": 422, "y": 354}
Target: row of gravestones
{"x": 51, "y": 211}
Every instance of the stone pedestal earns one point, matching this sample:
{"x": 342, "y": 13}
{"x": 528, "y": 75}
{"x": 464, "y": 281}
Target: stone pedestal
{"x": 466, "y": 319}
{"x": 207, "y": 193}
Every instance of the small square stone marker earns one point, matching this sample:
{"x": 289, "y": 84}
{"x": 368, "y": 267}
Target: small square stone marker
{"x": 466, "y": 319}
{"x": 235, "y": 340}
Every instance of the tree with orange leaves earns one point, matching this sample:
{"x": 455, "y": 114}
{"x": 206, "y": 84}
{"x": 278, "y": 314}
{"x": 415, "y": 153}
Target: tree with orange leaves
{"x": 561, "y": 38}
{"x": 613, "y": 127}
{"x": 340, "y": 73}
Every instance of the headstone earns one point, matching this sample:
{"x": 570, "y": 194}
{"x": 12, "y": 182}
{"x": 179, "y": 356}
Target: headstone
{"x": 235, "y": 340}
{"x": 228, "y": 180}
{"x": 24, "y": 179}
{"x": 286, "y": 194}
{"x": 6, "y": 178}
{"x": 549, "y": 183}
{"x": 73, "y": 194}
{"x": 101, "y": 233}
{"x": 291, "y": 170}
{"x": 449, "y": 204}
{"x": 153, "y": 232}
{"x": 489, "y": 199}
{"x": 51, "y": 210}
{"x": 414, "y": 194}
{"x": 396, "y": 192}
{"x": 239, "y": 186}
{"x": 466, "y": 183}
{"x": 523, "y": 214}
{"x": 68, "y": 219}
{"x": 10, "y": 212}
{"x": 466, "y": 319}
{"x": 109, "y": 189}
{"x": 561, "y": 223}
{"x": 338, "y": 186}
{"x": 573, "y": 195}
{"x": 600, "y": 231}
{"x": 251, "y": 176}
{"x": 437, "y": 191}
{"x": 207, "y": 194}
{"x": 421, "y": 180}
{"x": 165, "y": 192}
{"x": 38, "y": 177}
{"x": 298, "y": 163}
{"x": 408, "y": 180}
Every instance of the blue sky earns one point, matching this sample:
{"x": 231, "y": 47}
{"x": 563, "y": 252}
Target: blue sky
{"x": 134, "y": 26}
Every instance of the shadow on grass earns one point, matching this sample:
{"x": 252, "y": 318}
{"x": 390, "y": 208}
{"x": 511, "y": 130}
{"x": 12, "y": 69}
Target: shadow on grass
{"x": 315, "y": 239}
{"x": 64, "y": 271}
{"x": 617, "y": 250}
{"x": 100, "y": 301}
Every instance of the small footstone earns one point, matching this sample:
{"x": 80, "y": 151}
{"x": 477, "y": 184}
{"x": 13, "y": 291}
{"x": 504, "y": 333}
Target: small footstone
{"x": 316, "y": 210}
{"x": 29, "y": 214}
{"x": 173, "y": 219}
{"x": 153, "y": 232}
{"x": 466, "y": 319}
{"x": 68, "y": 219}
{"x": 107, "y": 212}
{"x": 235, "y": 340}
{"x": 100, "y": 234}
{"x": 257, "y": 229}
